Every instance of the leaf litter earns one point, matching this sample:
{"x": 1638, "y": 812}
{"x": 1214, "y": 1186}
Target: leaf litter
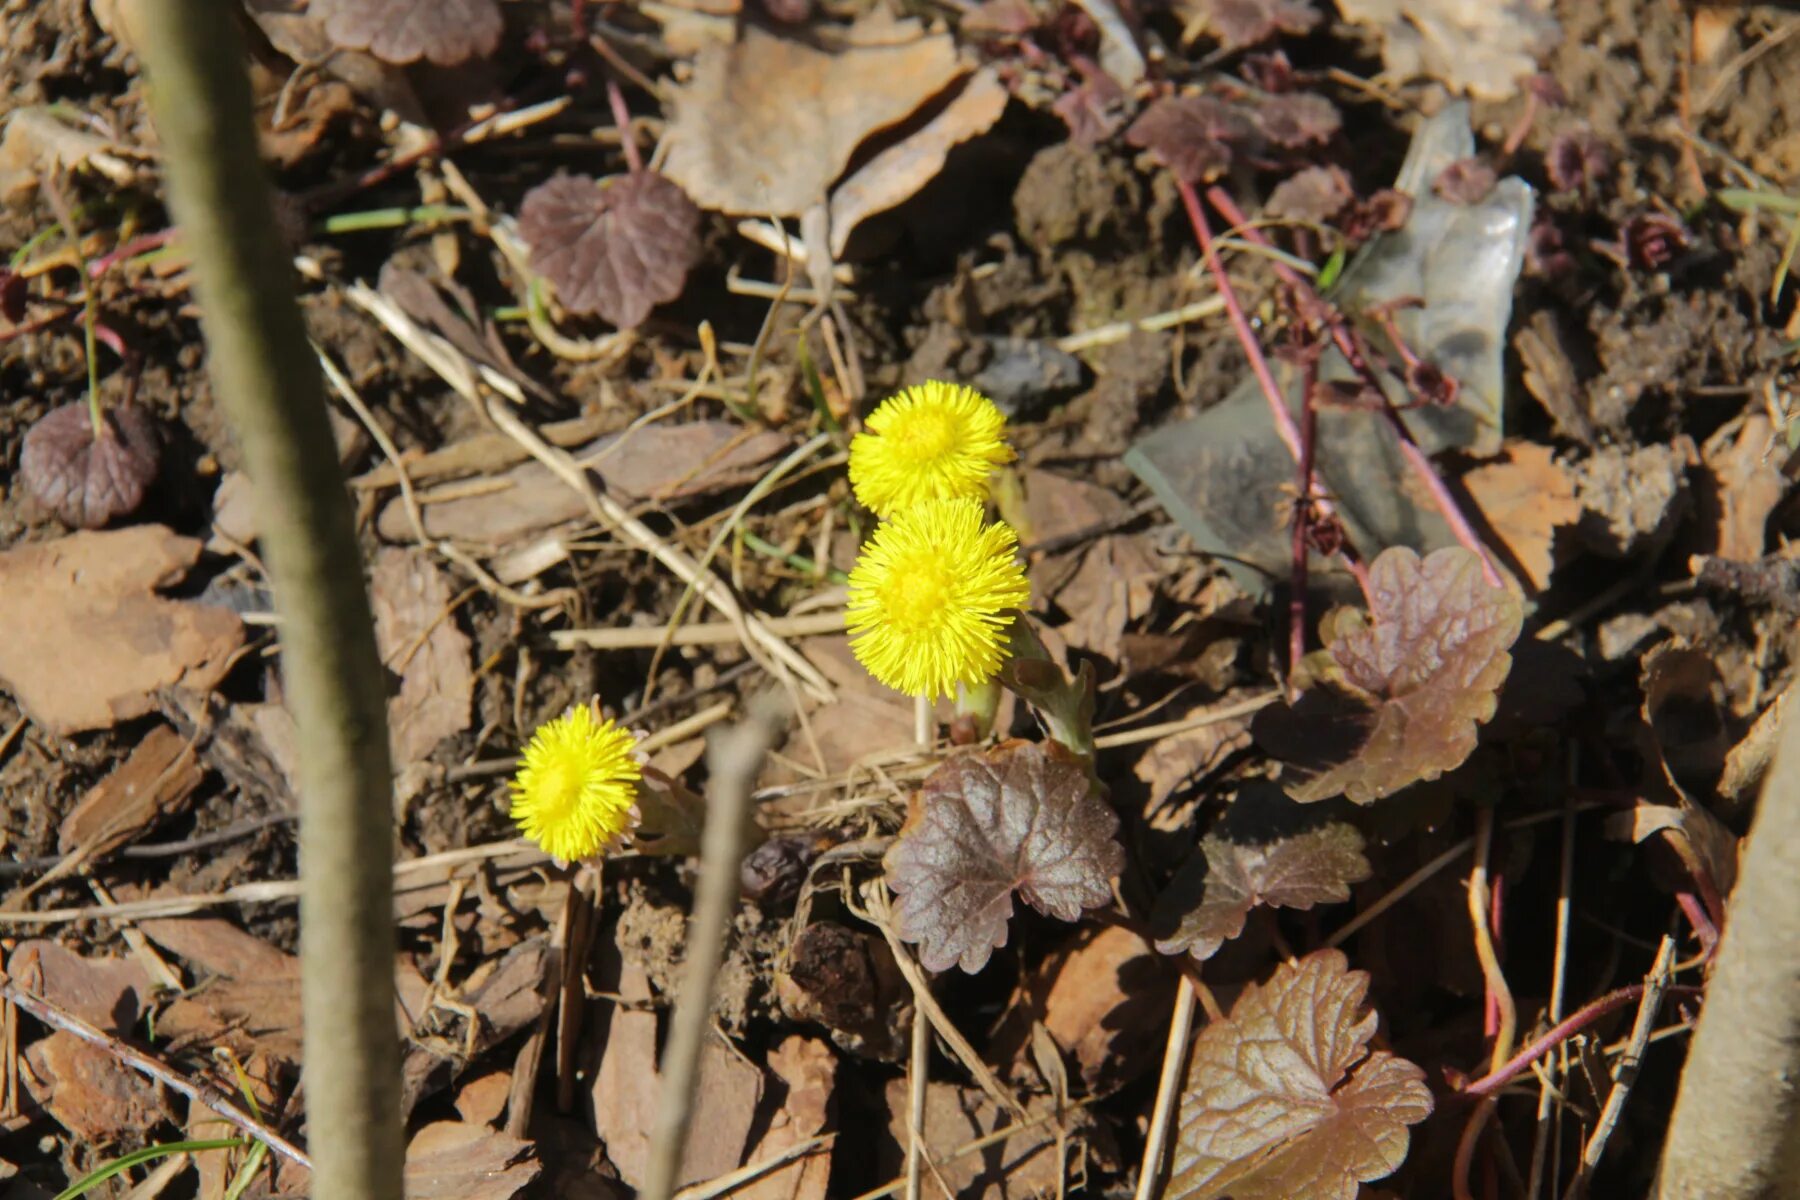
{"x": 1657, "y": 426}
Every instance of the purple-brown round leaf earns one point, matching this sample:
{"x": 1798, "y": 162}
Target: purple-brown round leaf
{"x": 1021, "y": 817}
{"x": 404, "y": 31}
{"x": 87, "y": 481}
{"x": 616, "y": 249}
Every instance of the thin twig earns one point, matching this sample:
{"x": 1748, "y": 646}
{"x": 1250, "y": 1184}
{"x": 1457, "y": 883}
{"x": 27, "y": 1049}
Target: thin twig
{"x": 1625, "y": 1073}
{"x": 918, "y": 1077}
{"x": 1168, "y": 1091}
{"x": 1549, "y": 1117}
{"x": 733, "y": 760}
{"x": 200, "y": 1093}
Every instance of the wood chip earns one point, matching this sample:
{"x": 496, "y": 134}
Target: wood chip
{"x": 153, "y": 783}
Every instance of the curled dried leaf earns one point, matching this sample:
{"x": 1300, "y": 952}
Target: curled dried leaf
{"x": 1283, "y": 1098}
{"x": 404, "y": 31}
{"x": 1021, "y": 817}
{"x": 1409, "y": 682}
{"x": 1265, "y": 852}
{"x": 1194, "y": 136}
{"x": 617, "y": 249}
{"x": 86, "y": 480}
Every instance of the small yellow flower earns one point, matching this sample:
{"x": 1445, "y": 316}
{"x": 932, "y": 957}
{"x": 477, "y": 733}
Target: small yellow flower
{"x": 576, "y": 786}
{"x": 929, "y": 594}
{"x": 929, "y": 442}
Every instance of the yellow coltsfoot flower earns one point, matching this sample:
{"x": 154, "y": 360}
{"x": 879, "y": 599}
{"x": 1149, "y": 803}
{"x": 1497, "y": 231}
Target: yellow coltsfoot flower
{"x": 575, "y": 788}
{"x": 929, "y": 597}
{"x": 929, "y": 442}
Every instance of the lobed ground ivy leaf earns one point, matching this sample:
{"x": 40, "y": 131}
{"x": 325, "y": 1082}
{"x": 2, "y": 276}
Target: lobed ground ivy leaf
{"x": 1020, "y": 817}
{"x": 1267, "y": 851}
{"x": 618, "y": 249}
{"x": 1241, "y": 23}
{"x": 1409, "y": 682}
{"x": 1283, "y": 1098}
{"x": 404, "y": 31}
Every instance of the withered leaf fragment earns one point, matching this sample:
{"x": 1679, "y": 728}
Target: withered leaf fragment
{"x": 1285, "y": 864}
{"x": 1194, "y": 136}
{"x": 86, "y": 480}
{"x": 1298, "y": 119}
{"x": 1020, "y": 817}
{"x": 617, "y": 249}
{"x": 404, "y": 31}
{"x": 1283, "y": 1098}
{"x": 1408, "y": 682}
{"x": 1241, "y": 23}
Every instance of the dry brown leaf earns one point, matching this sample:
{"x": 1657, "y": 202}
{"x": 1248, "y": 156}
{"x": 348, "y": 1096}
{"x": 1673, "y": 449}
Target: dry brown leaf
{"x": 1526, "y": 495}
{"x": 1483, "y": 47}
{"x": 102, "y": 642}
{"x": 456, "y": 1160}
{"x": 152, "y": 784}
{"x": 897, "y": 173}
{"x": 38, "y": 140}
{"x": 1744, "y": 462}
{"x": 1284, "y": 1099}
{"x": 420, "y": 641}
{"x": 107, "y": 993}
{"x": 626, "y": 1088}
{"x": 93, "y": 1095}
{"x": 956, "y": 1116}
{"x": 481, "y": 1100}
{"x": 252, "y": 1005}
{"x": 1748, "y": 761}
{"x": 1182, "y": 760}
{"x": 766, "y": 125}
{"x": 1112, "y": 587}
{"x": 1104, "y": 999}
{"x": 657, "y": 463}
{"x": 1703, "y": 838}
{"x": 807, "y": 1068}
{"x": 298, "y": 32}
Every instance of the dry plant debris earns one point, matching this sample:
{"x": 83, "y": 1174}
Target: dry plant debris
{"x": 1284, "y": 1098}
{"x": 1526, "y": 496}
{"x": 444, "y": 32}
{"x": 103, "y": 642}
{"x": 767, "y": 123}
{"x": 1474, "y": 46}
{"x": 1406, "y": 684}
{"x": 88, "y": 478}
{"x": 1021, "y": 817}
{"x": 617, "y": 248}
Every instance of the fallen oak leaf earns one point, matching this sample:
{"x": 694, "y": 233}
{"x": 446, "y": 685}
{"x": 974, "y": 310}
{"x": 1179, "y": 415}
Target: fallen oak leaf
{"x": 617, "y": 248}
{"x": 1283, "y": 1098}
{"x": 1409, "y": 682}
{"x": 403, "y": 31}
{"x": 1021, "y": 817}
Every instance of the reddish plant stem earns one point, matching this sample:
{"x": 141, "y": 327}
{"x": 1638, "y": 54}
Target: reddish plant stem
{"x": 622, "y": 118}
{"x": 1334, "y": 323}
{"x": 1568, "y": 1027}
{"x": 37, "y": 323}
{"x": 1303, "y": 513}
{"x": 137, "y": 245}
{"x": 1704, "y": 926}
{"x": 1285, "y": 426}
{"x": 1240, "y": 324}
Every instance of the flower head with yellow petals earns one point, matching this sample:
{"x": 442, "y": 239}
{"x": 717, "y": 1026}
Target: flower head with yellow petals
{"x": 930, "y": 442}
{"x": 575, "y": 788}
{"x": 929, "y": 597}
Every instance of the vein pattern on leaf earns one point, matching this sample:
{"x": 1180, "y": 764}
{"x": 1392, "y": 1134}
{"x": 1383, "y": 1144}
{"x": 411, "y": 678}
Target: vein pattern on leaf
{"x": 1020, "y": 817}
{"x": 1283, "y": 1099}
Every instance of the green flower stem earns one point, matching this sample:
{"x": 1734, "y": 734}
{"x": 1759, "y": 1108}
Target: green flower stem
{"x": 265, "y": 375}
